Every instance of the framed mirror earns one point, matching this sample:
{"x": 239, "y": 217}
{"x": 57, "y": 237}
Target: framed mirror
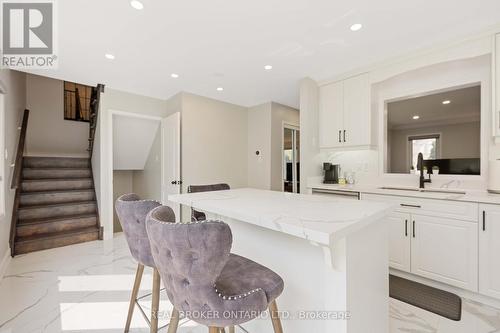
{"x": 444, "y": 126}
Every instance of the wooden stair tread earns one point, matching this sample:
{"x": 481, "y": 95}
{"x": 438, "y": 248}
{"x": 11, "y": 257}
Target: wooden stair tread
{"x": 83, "y": 190}
{"x": 55, "y": 168}
{"x": 64, "y": 204}
{"x": 57, "y": 235}
{"x": 56, "y": 179}
{"x": 55, "y": 219}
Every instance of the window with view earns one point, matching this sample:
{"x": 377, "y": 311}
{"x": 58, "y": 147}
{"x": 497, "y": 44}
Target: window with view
{"x": 427, "y": 145}
{"x": 77, "y": 101}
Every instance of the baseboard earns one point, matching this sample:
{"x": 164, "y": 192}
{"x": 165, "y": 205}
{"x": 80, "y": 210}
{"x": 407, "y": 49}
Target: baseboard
{"x": 4, "y": 263}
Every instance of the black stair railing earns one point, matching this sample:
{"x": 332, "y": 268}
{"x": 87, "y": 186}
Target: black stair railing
{"x": 16, "y": 178}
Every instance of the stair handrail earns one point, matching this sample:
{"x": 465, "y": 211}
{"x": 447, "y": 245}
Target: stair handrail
{"x": 94, "y": 112}
{"x": 16, "y": 178}
{"x": 18, "y": 164}
{"x": 78, "y": 105}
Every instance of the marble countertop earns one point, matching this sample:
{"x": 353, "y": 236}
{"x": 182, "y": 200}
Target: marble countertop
{"x": 316, "y": 218}
{"x": 477, "y": 196}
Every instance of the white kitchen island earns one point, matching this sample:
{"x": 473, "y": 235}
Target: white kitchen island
{"x": 332, "y": 254}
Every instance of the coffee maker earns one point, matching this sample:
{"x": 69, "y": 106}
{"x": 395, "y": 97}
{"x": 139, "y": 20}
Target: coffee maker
{"x": 332, "y": 172}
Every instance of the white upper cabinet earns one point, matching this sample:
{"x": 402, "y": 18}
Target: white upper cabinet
{"x": 357, "y": 120}
{"x": 489, "y": 250}
{"x": 331, "y": 115}
{"x": 344, "y": 114}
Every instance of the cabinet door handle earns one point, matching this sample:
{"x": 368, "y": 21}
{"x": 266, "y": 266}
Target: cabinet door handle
{"x": 484, "y": 220}
{"x": 340, "y": 135}
{"x": 344, "y": 135}
{"x": 413, "y": 229}
{"x": 411, "y": 206}
{"x": 406, "y": 228}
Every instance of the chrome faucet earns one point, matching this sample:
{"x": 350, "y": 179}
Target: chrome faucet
{"x": 420, "y": 166}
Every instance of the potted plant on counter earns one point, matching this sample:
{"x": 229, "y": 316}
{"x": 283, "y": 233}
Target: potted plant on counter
{"x": 435, "y": 170}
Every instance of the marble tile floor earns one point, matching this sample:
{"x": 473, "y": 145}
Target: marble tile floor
{"x": 85, "y": 288}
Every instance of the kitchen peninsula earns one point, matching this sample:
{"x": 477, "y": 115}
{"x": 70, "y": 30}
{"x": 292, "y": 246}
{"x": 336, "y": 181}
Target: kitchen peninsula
{"x": 332, "y": 254}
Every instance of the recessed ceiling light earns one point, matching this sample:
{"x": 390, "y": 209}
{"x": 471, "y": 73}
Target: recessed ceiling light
{"x": 220, "y": 89}
{"x": 109, "y": 56}
{"x": 175, "y": 76}
{"x": 356, "y": 27}
{"x": 137, "y": 4}
{"x": 446, "y": 102}
{"x": 268, "y": 67}
{"x": 416, "y": 117}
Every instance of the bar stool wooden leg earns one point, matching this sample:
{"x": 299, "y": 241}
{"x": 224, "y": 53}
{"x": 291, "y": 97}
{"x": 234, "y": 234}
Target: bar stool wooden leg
{"x": 273, "y": 309}
{"x": 135, "y": 291}
{"x": 155, "y": 303}
{"x": 174, "y": 321}
{"x": 222, "y": 330}
{"x": 231, "y": 329}
{"x": 213, "y": 330}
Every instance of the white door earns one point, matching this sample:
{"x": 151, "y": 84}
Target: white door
{"x": 399, "y": 241}
{"x": 489, "y": 250}
{"x": 357, "y": 120}
{"x": 331, "y": 115}
{"x": 445, "y": 250}
{"x": 171, "y": 160}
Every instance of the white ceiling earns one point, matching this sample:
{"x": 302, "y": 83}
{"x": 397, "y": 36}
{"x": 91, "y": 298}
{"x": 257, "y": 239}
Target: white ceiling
{"x": 132, "y": 141}
{"x": 227, "y": 43}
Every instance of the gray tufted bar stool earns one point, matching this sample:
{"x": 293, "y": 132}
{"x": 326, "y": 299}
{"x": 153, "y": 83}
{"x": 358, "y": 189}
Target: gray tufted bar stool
{"x": 204, "y": 280}
{"x": 200, "y": 216}
{"x": 132, "y": 214}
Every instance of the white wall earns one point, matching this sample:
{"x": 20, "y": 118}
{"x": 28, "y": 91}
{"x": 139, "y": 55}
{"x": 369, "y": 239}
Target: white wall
{"x": 265, "y": 133}
{"x": 122, "y": 184}
{"x": 280, "y": 114}
{"x": 13, "y": 85}
{"x": 146, "y": 182}
{"x": 132, "y": 140}
{"x": 259, "y": 139}
{"x": 310, "y": 167}
{"x": 214, "y": 142}
{"x": 48, "y": 133}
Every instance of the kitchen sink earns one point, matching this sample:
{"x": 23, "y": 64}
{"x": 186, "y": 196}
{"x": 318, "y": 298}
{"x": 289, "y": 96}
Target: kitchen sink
{"x": 423, "y": 190}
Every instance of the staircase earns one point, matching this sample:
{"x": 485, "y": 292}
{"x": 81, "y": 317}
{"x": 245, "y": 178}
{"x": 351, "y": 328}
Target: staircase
{"x": 56, "y": 204}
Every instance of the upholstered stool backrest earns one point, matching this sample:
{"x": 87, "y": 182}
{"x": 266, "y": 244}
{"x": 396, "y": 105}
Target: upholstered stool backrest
{"x": 189, "y": 257}
{"x": 200, "y": 216}
{"x": 132, "y": 212}
{"x": 208, "y": 188}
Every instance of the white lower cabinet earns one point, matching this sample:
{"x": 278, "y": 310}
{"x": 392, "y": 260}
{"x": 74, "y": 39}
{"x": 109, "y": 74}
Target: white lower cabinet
{"x": 489, "y": 250}
{"x": 445, "y": 250}
{"x": 399, "y": 241}
{"x": 431, "y": 239}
